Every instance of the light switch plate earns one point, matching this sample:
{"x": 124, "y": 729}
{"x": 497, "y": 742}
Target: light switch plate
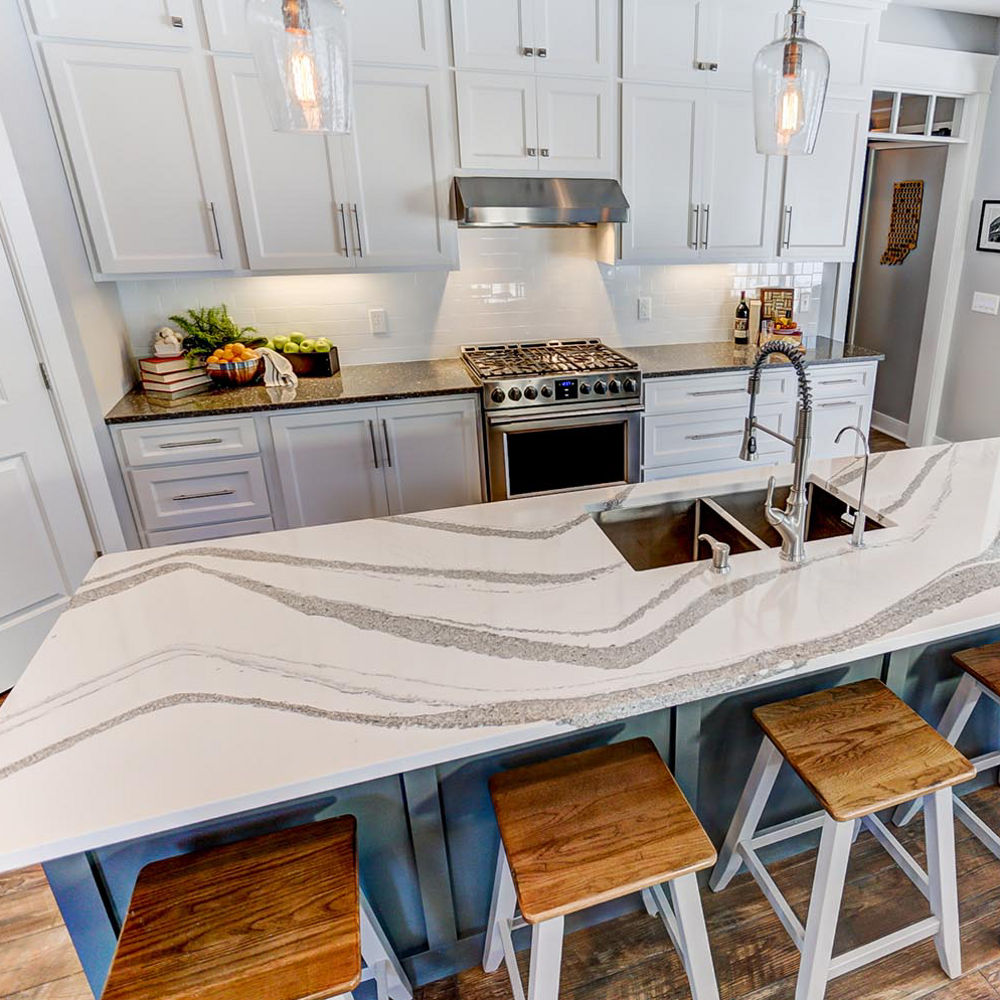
{"x": 378, "y": 321}
{"x": 645, "y": 307}
{"x": 983, "y": 302}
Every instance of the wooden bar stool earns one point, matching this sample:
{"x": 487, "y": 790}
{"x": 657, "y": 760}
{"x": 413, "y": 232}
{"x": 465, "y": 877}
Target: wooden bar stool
{"x": 279, "y": 917}
{"x": 859, "y": 749}
{"x": 981, "y": 676}
{"x": 584, "y": 829}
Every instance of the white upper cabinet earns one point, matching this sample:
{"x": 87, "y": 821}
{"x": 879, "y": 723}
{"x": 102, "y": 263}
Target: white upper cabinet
{"x": 497, "y": 121}
{"x": 404, "y": 32}
{"x": 145, "y": 22}
{"x": 823, "y": 191}
{"x": 572, "y": 37}
{"x": 663, "y": 40}
{"x": 294, "y": 213}
{"x": 147, "y": 158}
{"x": 576, "y": 125}
{"x": 662, "y": 163}
{"x": 399, "y": 164}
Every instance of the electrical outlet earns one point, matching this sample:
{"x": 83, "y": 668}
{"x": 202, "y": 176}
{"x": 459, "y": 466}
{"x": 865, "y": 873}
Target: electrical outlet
{"x": 378, "y": 321}
{"x": 645, "y": 307}
{"x": 983, "y": 302}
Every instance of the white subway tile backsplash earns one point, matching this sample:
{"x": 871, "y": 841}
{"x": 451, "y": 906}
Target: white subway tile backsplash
{"x": 522, "y": 284}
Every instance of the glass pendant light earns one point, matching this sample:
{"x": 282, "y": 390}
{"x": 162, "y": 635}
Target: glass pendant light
{"x": 790, "y": 77}
{"x": 303, "y": 55}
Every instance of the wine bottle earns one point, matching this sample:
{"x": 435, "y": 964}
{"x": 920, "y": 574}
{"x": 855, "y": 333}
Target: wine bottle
{"x": 741, "y": 325}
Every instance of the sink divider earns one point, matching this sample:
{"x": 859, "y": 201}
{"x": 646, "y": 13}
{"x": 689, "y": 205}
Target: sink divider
{"x": 734, "y": 523}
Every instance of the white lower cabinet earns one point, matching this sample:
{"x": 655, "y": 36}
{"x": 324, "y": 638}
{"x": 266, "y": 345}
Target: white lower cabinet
{"x": 345, "y": 463}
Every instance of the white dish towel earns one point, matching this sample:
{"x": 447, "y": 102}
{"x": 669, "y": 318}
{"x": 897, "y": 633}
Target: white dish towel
{"x": 278, "y": 369}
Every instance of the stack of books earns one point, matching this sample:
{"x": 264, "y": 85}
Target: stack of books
{"x": 167, "y": 379}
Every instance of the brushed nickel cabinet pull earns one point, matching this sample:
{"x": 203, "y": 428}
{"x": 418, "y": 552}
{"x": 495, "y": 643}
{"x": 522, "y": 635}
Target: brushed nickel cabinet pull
{"x": 343, "y": 229}
{"x": 531, "y": 151}
{"x": 371, "y": 434}
{"x": 527, "y": 51}
{"x": 715, "y": 434}
{"x": 695, "y": 227}
{"x": 388, "y": 451}
{"x": 176, "y": 22}
{"x": 544, "y": 151}
{"x": 190, "y": 444}
{"x": 719, "y": 392}
{"x": 707, "y": 67}
{"x": 787, "y": 240}
{"x": 838, "y": 406}
{"x": 543, "y": 53}
{"x": 357, "y": 227}
{"x": 839, "y": 381}
{"x": 705, "y": 212}
{"x": 204, "y": 496}
{"x": 215, "y": 223}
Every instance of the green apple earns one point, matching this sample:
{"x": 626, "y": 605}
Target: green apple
{"x": 322, "y": 346}
{"x": 291, "y": 348}
{"x": 279, "y": 342}
{"x": 270, "y": 345}
{"x": 296, "y": 338}
{"x": 307, "y": 346}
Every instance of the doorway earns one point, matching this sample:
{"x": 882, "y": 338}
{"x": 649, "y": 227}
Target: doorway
{"x": 889, "y": 298}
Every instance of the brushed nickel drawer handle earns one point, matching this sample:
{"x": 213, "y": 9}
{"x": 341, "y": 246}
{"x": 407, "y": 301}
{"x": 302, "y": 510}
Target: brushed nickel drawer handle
{"x": 215, "y": 224}
{"x": 357, "y": 227}
{"x": 204, "y": 496}
{"x": 837, "y": 406}
{"x": 839, "y": 381}
{"x": 715, "y": 434}
{"x": 176, "y": 22}
{"x": 190, "y": 444}
{"x": 719, "y": 392}
{"x": 343, "y": 229}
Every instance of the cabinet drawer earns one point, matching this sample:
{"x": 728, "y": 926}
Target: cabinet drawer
{"x": 710, "y": 392}
{"x": 207, "y": 532}
{"x": 184, "y": 440}
{"x": 187, "y": 495}
{"x": 830, "y": 416}
{"x": 830, "y": 381}
{"x": 688, "y": 438}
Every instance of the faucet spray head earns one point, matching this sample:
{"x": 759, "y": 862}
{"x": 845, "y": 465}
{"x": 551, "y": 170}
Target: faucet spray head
{"x": 748, "y": 450}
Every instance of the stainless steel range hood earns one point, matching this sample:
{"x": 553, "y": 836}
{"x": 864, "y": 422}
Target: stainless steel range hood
{"x": 538, "y": 201}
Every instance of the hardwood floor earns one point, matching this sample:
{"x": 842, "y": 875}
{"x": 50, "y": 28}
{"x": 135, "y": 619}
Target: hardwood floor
{"x": 882, "y": 442}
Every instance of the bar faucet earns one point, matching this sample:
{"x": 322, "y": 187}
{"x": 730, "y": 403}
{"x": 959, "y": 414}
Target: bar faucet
{"x": 859, "y": 518}
{"x": 791, "y": 522}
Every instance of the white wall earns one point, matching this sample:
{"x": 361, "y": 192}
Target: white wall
{"x": 521, "y": 284}
{"x": 939, "y": 29}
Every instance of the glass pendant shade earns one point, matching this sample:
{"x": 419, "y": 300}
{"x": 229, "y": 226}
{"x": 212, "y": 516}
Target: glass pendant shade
{"x": 790, "y": 78}
{"x": 303, "y": 55}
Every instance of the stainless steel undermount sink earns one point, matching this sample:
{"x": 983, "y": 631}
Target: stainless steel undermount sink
{"x": 665, "y": 533}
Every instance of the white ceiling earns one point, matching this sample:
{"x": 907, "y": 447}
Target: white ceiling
{"x": 968, "y": 6}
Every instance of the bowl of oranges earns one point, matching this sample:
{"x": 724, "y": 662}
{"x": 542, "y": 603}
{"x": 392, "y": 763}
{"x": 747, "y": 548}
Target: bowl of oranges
{"x": 234, "y": 364}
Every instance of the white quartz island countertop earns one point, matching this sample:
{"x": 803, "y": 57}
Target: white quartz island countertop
{"x": 192, "y": 682}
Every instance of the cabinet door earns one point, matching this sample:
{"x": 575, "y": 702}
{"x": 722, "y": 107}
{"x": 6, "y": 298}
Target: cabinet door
{"x": 661, "y": 172}
{"x": 823, "y": 191}
{"x": 497, "y": 121}
{"x": 741, "y": 188}
{"x": 406, "y": 32}
{"x": 148, "y": 22}
{"x": 662, "y": 40}
{"x": 830, "y": 417}
{"x": 329, "y": 465}
{"x": 294, "y": 215}
{"x": 399, "y": 162}
{"x": 145, "y": 152}
{"x": 226, "y": 21}
{"x": 576, "y": 126}
{"x": 493, "y": 34}
{"x": 576, "y": 37}
{"x": 432, "y": 454}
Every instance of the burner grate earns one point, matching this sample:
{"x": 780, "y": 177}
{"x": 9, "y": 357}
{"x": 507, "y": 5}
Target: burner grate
{"x": 550, "y": 358}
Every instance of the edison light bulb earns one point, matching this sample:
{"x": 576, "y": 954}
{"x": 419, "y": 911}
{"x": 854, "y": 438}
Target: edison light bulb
{"x": 791, "y": 111}
{"x": 305, "y": 86}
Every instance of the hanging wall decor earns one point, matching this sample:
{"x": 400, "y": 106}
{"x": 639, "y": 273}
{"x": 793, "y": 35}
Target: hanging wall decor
{"x": 989, "y": 228}
{"x": 904, "y": 225}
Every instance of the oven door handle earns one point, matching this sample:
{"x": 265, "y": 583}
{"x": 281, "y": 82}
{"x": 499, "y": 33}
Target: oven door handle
{"x": 554, "y": 413}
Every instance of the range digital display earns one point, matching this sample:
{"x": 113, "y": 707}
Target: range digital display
{"x": 567, "y": 388}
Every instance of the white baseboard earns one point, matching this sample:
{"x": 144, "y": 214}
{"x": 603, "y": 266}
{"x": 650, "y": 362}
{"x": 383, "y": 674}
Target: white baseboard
{"x": 940, "y": 440}
{"x": 890, "y": 425}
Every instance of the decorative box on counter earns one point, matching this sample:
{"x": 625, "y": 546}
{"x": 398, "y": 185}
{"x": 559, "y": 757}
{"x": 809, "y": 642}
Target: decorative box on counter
{"x": 315, "y": 365}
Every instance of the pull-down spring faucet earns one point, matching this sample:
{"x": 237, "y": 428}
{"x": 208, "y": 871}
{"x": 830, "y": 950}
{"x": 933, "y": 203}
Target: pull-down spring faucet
{"x": 791, "y": 522}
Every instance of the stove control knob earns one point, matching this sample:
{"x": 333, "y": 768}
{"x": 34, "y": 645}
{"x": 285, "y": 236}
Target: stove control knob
{"x": 584, "y": 388}
{"x": 547, "y": 391}
{"x": 498, "y": 395}
{"x": 630, "y": 385}
{"x": 514, "y": 394}
{"x": 615, "y": 386}
{"x": 530, "y": 392}
{"x": 600, "y": 388}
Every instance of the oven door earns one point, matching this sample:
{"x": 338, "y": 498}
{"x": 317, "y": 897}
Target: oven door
{"x": 530, "y": 454}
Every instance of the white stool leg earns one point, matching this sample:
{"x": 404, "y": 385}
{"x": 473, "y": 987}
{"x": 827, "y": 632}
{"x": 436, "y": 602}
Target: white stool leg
{"x": 748, "y": 812}
{"x": 697, "y": 955}
{"x": 502, "y": 908}
{"x": 390, "y": 979}
{"x": 940, "y": 829}
{"x": 954, "y": 720}
{"x": 647, "y": 901}
{"x": 824, "y": 909}
{"x": 546, "y": 959}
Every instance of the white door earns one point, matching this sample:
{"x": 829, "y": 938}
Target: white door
{"x": 497, "y": 121}
{"x": 823, "y": 191}
{"x": 741, "y": 188}
{"x": 294, "y": 213}
{"x": 399, "y": 161}
{"x": 576, "y": 37}
{"x": 576, "y": 125}
{"x": 431, "y": 454}
{"x": 152, "y": 22}
{"x": 662, "y": 162}
{"x": 330, "y": 465}
{"x": 46, "y": 546}
{"x": 146, "y": 153}
{"x": 493, "y": 34}
{"x": 663, "y": 40}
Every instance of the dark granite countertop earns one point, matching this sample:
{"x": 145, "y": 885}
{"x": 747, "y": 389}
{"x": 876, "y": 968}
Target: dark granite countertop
{"x": 353, "y": 384}
{"x": 699, "y": 359}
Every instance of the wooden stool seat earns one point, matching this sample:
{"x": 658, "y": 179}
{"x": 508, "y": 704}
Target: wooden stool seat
{"x": 594, "y": 826}
{"x": 276, "y": 916}
{"x": 860, "y": 749}
{"x": 983, "y": 663}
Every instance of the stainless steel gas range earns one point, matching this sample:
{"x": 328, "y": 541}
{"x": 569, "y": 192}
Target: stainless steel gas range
{"x": 560, "y": 415}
